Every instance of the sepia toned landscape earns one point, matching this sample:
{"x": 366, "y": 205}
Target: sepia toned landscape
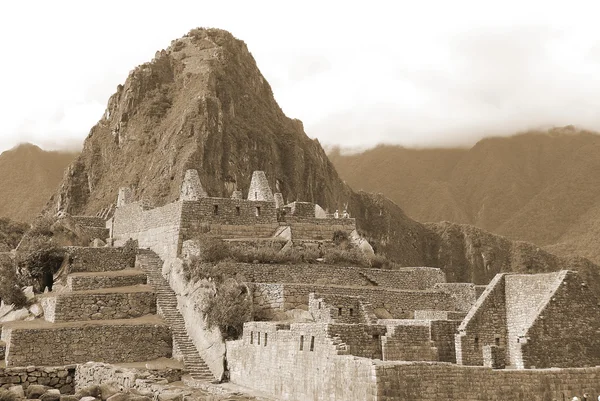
{"x": 201, "y": 246}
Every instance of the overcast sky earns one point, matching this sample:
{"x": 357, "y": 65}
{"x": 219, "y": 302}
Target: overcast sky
{"x": 414, "y": 73}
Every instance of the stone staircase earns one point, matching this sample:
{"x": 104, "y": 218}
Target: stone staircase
{"x": 166, "y": 301}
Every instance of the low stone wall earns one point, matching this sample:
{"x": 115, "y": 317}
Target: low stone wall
{"x": 439, "y": 315}
{"x": 130, "y": 302}
{"x": 86, "y": 259}
{"x": 48, "y": 344}
{"x": 60, "y": 377}
{"x": 464, "y": 294}
{"x": 400, "y": 304}
{"x": 321, "y": 229}
{"x": 440, "y": 381}
{"x": 83, "y": 281}
{"x": 419, "y": 278}
{"x": 409, "y": 278}
{"x": 125, "y": 379}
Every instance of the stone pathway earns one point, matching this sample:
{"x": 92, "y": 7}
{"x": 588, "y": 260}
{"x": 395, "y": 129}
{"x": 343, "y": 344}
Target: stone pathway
{"x": 166, "y": 302}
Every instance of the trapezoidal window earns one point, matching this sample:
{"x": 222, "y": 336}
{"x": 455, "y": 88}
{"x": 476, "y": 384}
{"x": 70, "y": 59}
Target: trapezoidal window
{"x": 301, "y": 343}
{"x": 237, "y": 210}
{"x": 257, "y": 212}
{"x": 497, "y": 341}
{"x": 476, "y": 343}
{"x": 251, "y": 337}
{"x": 339, "y": 311}
{"x": 265, "y": 339}
{"x": 312, "y": 343}
{"x": 351, "y": 312}
{"x": 215, "y": 209}
{"x": 258, "y": 338}
{"x": 255, "y": 195}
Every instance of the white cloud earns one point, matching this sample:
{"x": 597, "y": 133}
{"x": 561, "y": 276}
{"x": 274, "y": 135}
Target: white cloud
{"x": 414, "y": 73}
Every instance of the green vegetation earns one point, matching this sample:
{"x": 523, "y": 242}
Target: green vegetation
{"x": 214, "y": 250}
{"x": 10, "y": 292}
{"x": 38, "y": 254}
{"x": 229, "y": 304}
{"x": 11, "y": 233}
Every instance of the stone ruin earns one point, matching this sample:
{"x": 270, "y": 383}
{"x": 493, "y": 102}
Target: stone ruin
{"x": 358, "y": 333}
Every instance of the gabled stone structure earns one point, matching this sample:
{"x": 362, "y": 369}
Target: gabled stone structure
{"x": 191, "y": 187}
{"x": 260, "y": 190}
{"x": 541, "y": 320}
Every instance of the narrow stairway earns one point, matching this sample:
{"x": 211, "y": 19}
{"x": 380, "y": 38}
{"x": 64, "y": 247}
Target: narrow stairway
{"x": 166, "y": 302}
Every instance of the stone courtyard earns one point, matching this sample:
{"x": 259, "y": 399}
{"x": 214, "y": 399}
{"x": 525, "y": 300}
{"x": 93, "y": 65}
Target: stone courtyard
{"x": 337, "y": 332}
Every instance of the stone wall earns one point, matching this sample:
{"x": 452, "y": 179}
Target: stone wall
{"x": 401, "y": 304}
{"x": 158, "y": 228}
{"x": 439, "y": 315}
{"x": 281, "y": 369}
{"x": 442, "y": 335}
{"x": 464, "y": 294}
{"x": 228, "y": 211}
{"x": 84, "y": 281}
{"x": 84, "y": 259}
{"x": 125, "y": 379}
{"x": 302, "y": 209}
{"x": 129, "y": 302}
{"x": 485, "y": 324}
{"x": 525, "y": 294}
{"x": 405, "y": 278}
{"x": 317, "y": 370}
{"x": 565, "y": 332}
{"x": 422, "y": 381}
{"x": 58, "y": 377}
{"x": 321, "y": 229}
{"x": 49, "y": 344}
{"x": 328, "y": 308}
{"x": 408, "y": 340}
{"x": 409, "y": 278}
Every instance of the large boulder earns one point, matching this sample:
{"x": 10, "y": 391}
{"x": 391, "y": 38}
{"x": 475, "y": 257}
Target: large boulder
{"x": 18, "y": 391}
{"x": 36, "y": 390}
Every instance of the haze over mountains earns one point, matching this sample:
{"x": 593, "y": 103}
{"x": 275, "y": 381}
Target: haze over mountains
{"x": 28, "y": 177}
{"x": 540, "y": 187}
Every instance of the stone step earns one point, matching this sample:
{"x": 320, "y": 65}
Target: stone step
{"x": 167, "y": 302}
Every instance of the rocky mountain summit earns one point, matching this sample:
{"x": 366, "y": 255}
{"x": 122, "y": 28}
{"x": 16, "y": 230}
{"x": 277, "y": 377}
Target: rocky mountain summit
{"x": 203, "y": 104}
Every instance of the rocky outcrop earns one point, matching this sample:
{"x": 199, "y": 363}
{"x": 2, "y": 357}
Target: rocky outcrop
{"x": 200, "y": 104}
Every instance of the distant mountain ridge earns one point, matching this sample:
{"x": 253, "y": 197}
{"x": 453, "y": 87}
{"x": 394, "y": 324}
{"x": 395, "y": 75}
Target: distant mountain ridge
{"x": 28, "y": 177}
{"x": 540, "y": 186}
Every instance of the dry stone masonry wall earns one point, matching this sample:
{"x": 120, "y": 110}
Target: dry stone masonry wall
{"x": 71, "y": 343}
{"x": 83, "y": 259}
{"x": 86, "y": 281}
{"x": 399, "y": 303}
{"x": 129, "y": 302}
{"x": 58, "y": 377}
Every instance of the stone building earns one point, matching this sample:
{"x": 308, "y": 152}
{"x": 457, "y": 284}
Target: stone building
{"x": 337, "y": 332}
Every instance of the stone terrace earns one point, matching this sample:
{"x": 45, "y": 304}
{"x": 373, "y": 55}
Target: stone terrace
{"x": 104, "y": 324}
